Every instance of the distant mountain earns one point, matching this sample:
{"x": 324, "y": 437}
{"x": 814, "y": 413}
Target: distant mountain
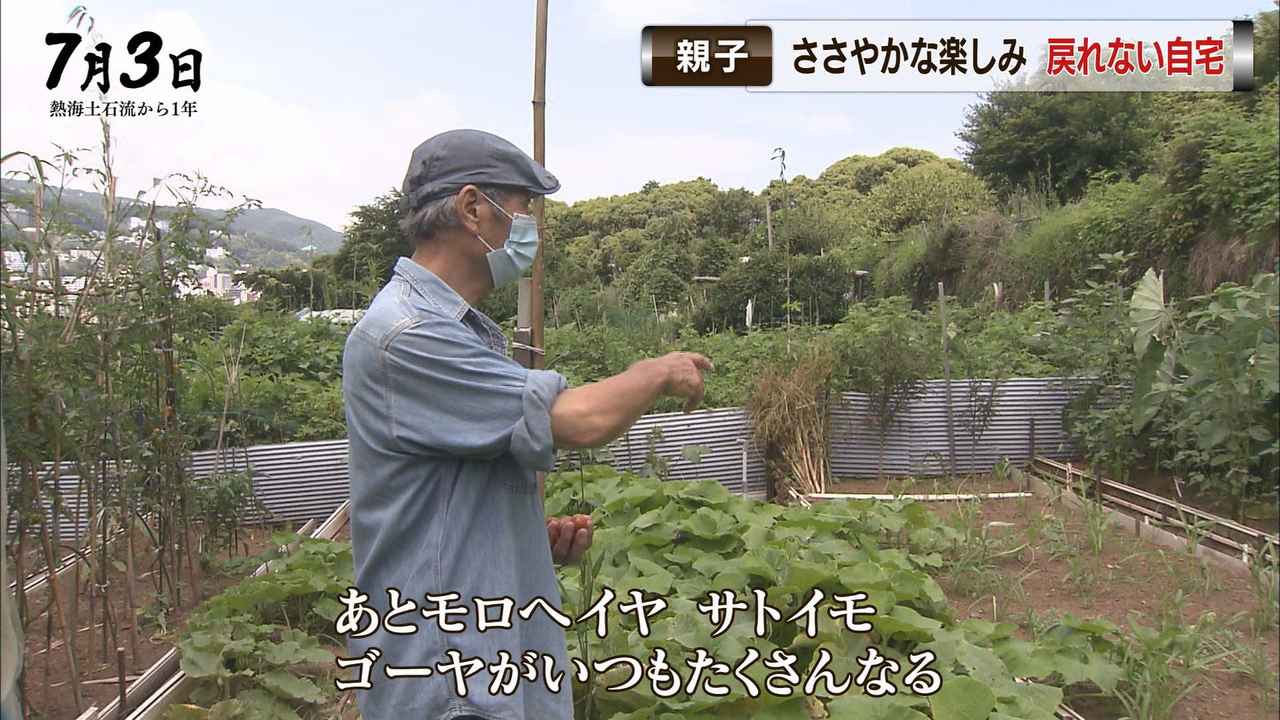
{"x": 270, "y": 227}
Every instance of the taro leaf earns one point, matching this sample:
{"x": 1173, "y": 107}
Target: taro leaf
{"x": 756, "y": 562}
{"x": 758, "y": 533}
{"x": 864, "y": 576}
{"x": 656, "y": 536}
{"x": 1146, "y": 403}
{"x": 1025, "y": 659}
{"x": 730, "y": 578}
{"x": 201, "y": 663}
{"x": 686, "y": 556}
{"x": 1212, "y": 434}
{"x": 232, "y": 709}
{"x": 290, "y": 652}
{"x": 647, "y": 494}
{"x": 327, "y": 608}
{"x": 649, "y": 519}
{"x": 205, "y": 694}
{"x": 862, "y": 707}
{"x": 793, "y": 709}
{"x": 291, "y": 686}
{"x": 803, "y": 576}
{"x": 1033, "y": 701}
{"x": 980, "y": 662}
{"x": 707, "y": 523}
{"x": 256, "y": 704}
{"x": 186, "y": 712}
{"x": 1148, "y": 312}
{"x": 902, "y": 620}
{"x": 962, "y": 698}
{"x": 656, "y": 578}
{"x": 708, "y": 565}
{"x": 1073, "y": 669}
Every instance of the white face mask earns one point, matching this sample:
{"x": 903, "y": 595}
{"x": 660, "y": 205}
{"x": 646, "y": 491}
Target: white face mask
{"x": 515, "y": 257}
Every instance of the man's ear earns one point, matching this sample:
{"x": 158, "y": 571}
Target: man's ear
{"x": 466, "y": 204}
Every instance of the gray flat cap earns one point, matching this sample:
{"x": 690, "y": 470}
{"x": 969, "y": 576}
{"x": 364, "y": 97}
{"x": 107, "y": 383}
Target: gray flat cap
{"x": 444, "y": 163}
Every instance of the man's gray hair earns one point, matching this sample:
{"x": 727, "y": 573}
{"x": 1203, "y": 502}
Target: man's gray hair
{"x": 439, "y": 215}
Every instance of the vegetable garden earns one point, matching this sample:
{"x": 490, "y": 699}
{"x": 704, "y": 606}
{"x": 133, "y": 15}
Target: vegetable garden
{"x": 264, "y": 648}
{"x": 1029, "y": 606}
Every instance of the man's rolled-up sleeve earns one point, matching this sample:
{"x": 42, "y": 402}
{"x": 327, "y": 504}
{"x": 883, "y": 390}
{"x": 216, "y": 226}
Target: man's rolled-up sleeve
{"x": 450, "y": 395}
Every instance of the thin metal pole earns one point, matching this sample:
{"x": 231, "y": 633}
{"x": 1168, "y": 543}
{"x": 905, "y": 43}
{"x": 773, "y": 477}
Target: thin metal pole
{"x": 540, "y": 155}
{"x": 946, "y": 374}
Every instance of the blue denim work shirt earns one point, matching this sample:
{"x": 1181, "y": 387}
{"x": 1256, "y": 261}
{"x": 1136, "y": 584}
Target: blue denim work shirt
{"x": 446, "y": 434}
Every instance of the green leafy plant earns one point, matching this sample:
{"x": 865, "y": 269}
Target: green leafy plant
{"x": 655, "y": 465}
{"x": 1208, "y": 379}
{"x": 884, "y": 353}
{"x": 255, "y": 649}
{"x": 1096, "y": 520}
{"x": 222, "y": 501}
{"x": 1092, "y": 340}
{"x": 684, "y": 539}
{"x": 1264, "y": 581}
{"x": 1252, "y": 661}
{"x": 1161, "y": 665}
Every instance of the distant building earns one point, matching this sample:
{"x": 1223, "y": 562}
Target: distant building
{"x": 339, "y": 316}
{"x": 209, "y": 281}
{"x": 138, "y": 223}
{"x": 217, "y": 283}
{"x": 216, "y": 252}
{"x": 15, "y": 261}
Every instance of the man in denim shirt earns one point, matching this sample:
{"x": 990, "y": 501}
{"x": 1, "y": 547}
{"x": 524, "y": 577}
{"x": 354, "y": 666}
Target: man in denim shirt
{"x": 448, "y": 438}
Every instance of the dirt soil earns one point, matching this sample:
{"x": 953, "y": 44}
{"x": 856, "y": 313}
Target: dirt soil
{"x": 45, "y": 681}
{"x": 1056, "y": 572}
{"x": 1263, "y": 516}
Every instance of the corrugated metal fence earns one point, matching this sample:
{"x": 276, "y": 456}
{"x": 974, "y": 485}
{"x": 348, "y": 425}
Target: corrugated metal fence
{"x": 917, "y": 442}
{"x": 298, "y": 481}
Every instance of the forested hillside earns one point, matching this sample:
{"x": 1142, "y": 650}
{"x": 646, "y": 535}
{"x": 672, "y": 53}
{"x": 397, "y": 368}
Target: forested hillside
{"x": 1188, "y": 183}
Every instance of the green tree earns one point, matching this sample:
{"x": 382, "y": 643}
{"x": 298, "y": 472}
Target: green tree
{"x": 714, "y": 256}
{"x": 1055, "y": 141}
{"x": 370, "y": 247}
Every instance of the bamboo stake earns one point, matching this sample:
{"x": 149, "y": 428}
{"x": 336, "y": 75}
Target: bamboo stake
{"x": 95, "y": 483}
{"x": 946, "y": 375}
{"x": 67, "y": 632}
{"x": 103, "y": 560}
{"x": 75, "y": 596}
{"x": 112, "y": 627}
{"x": 540, "y": 155}
{"x": 129, "y": 589}
{"x": 48, "y": 646}
{"x": 123, "y": 683}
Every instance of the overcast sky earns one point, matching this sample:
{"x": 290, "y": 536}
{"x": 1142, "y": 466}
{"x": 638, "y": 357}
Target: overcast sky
{"x": 314, "y": 107}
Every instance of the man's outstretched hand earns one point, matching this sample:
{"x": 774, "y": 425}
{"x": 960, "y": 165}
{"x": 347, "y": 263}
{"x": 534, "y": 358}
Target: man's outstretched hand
{"x": 570, "y": 537}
